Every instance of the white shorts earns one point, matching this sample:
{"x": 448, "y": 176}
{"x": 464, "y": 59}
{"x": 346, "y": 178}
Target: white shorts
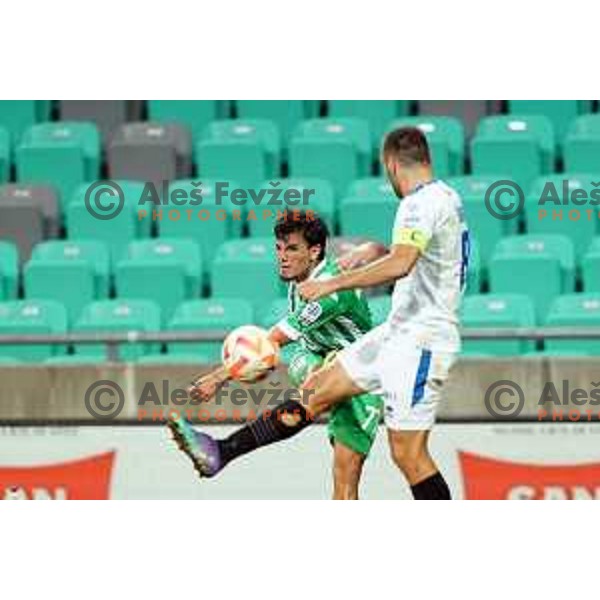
{"x": 408, "y": 376}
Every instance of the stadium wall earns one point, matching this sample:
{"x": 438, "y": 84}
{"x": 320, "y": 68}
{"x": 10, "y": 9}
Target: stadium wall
{"x": 54, "y": 394}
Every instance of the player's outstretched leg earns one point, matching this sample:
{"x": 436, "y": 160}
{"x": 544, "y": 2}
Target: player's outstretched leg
{"x": 327, "y": 386}
{"x": 211, "y": 455}
{"x": 411, "y": 455}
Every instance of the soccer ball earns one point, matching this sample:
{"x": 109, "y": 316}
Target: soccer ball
{"x": 248, "y": 354}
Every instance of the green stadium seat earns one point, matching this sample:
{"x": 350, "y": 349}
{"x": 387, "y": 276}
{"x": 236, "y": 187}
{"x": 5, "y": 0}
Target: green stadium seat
{"x": 321, "y": 202}
{"x": 69, "y": 133}
{"x": 95, "y": 253}
{"x": 377, "y": 113}
{"x": 498, "y": 311}
{"x": 560, "y": 112}
{"x": 182, "y": 251}
{"x": 18, "y": 115}
{"x": 582, "y": 145}
{"x": 595, "y": 245}
{"x": 590, "y": 267}
{"x": 5, "y": 155}
{"x": 167, "y": 271}
{"x": 115, "y": 316}
{"x": 368, "y": 187}
{"x": 446, "y": 140}
{"x": 245, "y": 150}
{"x": 542, "y": 266}
{"x": 370, "y": 201}
{"x": 272, "y": 313}
{"x": 285, "y": 113}
{"x": 193, "y": 114}
{"x": 552, "y": 216}
{"x": 574, "y": 310}
{"x": 70, "y": 281}
{"x": 9, "y": 270}
{"x": 129, "y": 224}
{"x": 204, "y": 225}
{"x": 380, "y": 307}
{"x": 247, "y": 268}
{"x": 335, "y": 149}
{"x": 521, "y": 146}
{"x": 59, "y": 154}
{"x": 487, "y": 229}
{"x": 204, "y": 315}
{"x": 368, "y": 216}
{"x": 28, "y": 317}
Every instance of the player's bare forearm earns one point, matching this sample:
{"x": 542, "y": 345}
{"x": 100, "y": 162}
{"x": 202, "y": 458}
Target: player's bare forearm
{"x": 397, "y": 264}
{"x": 220, "y": 373}
{"x": 204, "y": 387}
{"x": 362, "y": 255}
{"x": 384, "y": 270}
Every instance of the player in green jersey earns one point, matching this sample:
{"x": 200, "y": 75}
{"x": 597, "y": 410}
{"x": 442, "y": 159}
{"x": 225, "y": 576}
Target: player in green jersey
{"x": 318, "y": 330}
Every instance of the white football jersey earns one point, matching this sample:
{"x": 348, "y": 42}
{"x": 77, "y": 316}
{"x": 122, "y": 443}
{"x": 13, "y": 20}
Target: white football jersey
{"x": 426, "y": 303}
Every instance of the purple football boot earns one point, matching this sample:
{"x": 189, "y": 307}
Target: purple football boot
{"x": 201, "y": 448}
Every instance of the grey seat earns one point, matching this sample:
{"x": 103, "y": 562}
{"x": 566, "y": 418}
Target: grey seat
{"x": 470, "y": 112}
{"x": 150, "y": 152}
{"x": 23, "y": 225}
{"x": 42, "y": 197}
{"x": 107, "y": 114}
{"x": 16, "y": 116}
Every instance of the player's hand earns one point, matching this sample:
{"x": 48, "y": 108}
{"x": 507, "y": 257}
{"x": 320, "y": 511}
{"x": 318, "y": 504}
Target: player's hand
{"x": 204, "y": 388}
{"x": 353, "y": 259}
{"x": 360, "y": 256}
{"x": 313, "y": 290}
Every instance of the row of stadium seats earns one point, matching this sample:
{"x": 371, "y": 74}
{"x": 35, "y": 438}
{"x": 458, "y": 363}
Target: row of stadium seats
{"x": 30, "y": 214}
{"x": 171, "y": 270}
{"x": 508, "y": 310}
{"x": 167, "y": 271}
{"x": 479, "y": 311}
{"x": 65, "y": 154}
{"x": 18, "y": 115}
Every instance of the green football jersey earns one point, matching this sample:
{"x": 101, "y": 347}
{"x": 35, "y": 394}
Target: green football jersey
{"x": 329, "y": 324}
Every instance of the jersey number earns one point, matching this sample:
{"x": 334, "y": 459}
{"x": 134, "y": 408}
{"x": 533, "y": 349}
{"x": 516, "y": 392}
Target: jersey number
{"x": 465, "y": 258}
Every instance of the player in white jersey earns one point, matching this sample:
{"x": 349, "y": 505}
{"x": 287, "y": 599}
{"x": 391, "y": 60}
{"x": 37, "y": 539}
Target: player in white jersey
{"x": 407, "y": 359}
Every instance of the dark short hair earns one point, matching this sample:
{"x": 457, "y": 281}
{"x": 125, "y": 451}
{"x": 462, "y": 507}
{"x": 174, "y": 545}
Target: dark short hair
{"x": 407, "y": 145}
{"x": 308, "y": 223}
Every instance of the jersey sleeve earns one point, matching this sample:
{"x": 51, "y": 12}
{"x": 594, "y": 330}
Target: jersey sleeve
{"x": 312, "y": 316}
{"x": 414, "y": 223}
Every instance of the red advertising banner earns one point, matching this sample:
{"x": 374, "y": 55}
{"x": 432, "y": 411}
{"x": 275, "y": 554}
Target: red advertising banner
{"x": 492, "y": 479}
{"x": 84, "y": 479}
